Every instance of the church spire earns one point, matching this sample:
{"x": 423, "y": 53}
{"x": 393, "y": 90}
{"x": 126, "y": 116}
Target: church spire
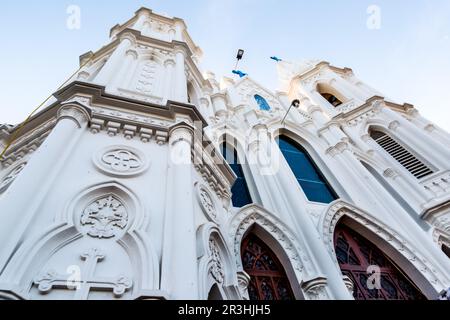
{"x": 151, "y": 57}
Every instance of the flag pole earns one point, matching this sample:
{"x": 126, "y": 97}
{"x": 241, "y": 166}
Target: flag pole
{"x": 296, "y": 104}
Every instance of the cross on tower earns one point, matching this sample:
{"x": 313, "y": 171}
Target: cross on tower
{"x": 87, "y": 281}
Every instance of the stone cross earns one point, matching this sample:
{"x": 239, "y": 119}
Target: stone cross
{"x": 87, "y": 282}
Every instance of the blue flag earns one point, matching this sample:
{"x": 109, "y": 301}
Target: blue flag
{"x": 240, "y": 73}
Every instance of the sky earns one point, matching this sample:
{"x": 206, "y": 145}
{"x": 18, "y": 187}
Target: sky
{"x": 402, "y": 48}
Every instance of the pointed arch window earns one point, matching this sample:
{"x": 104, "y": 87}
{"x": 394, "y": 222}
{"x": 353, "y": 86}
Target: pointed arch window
{"x": 355, "y": 254}
{"x": 308, "y": 175}
{"x": 262, "y": 103}
{"x": 268, "y": 279}
{"x": 240, "y": 192}
{"x": 411, "y": 163}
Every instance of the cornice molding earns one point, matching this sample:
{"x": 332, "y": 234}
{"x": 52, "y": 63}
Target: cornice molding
{"x": 100, "y": 97}
{"x": 35, "y": 131}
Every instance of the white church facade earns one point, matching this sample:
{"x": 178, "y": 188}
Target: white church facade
{"x": 144, "y": 178}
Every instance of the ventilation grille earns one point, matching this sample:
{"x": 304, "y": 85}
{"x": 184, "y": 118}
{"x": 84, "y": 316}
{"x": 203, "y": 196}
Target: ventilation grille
{"x": 403, "y": 156}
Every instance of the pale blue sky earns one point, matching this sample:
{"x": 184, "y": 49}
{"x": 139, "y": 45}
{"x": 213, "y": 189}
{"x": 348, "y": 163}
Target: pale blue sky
{"x": 408, "y": 59}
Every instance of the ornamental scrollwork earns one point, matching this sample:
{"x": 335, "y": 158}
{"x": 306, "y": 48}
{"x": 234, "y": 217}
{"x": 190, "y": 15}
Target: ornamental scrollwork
{"x": 121, "y": 161}
{"x": 104, "y": 217}
{"x": 206, "y": 201}
{"x": 216, "y": 262}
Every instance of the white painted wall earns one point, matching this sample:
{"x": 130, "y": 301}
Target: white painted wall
{"x": 176, "y": 235}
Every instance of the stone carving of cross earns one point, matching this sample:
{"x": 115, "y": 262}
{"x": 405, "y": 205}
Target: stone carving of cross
{"x": 87, "y": 282}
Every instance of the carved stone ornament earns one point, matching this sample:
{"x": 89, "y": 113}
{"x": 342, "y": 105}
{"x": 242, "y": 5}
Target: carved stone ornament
{"x": 206, "y": 201}
{"x": 75, "y": 113}
{"x": 317, "y": 293}
{"x": 216, "y": 266}
{"x": 121, "y": 161}
{"x": 316, "y": 289}
{"x": 9, "y": 179}
{"x": 243, "y": 282}
{"x": 105, "y": 217}
{"x": 47, "y": 281}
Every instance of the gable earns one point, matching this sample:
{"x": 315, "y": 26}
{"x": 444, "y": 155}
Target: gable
{"x": 247, "y": 89}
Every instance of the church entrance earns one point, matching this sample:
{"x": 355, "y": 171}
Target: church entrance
{"x": 356, "y": 255}
{"x": 268, "y": 277}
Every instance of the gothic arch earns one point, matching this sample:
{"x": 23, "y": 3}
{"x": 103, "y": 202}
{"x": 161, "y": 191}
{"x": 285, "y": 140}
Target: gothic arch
{"x": 135, "y": 242}
{"x": 215, "y": 294}
{"x": 279, "y": 237}
{"x": 139, "y": 218}
{"x": 234, "y": 140}
{"x": 385, "y": 127}
{"x": 311, "y": 143}
{"x": 253, "y": 88}
{"x": 216, "y": 265}
{"x": 239, "y": 144}
{"x": 419, "y": 270}
{"x": 389, "y": 139}
{"x": 262, "y": 103}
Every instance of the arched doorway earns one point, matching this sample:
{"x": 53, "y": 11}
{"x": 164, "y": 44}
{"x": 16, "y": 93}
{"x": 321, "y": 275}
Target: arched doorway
{"x": 446, "y": 250}
{"x": 215, "y": 294}
{"x": 268, "y": 279}
{"x": 356, "y": 254}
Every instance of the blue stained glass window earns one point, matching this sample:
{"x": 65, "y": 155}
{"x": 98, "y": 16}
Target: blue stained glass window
{"x": 308, "y": 175}
{"x": 262, "y": 103}
{"x": 240, "y": 193}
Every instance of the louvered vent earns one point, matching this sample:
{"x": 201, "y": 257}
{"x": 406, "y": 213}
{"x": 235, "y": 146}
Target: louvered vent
{"x": 403, "y": 156}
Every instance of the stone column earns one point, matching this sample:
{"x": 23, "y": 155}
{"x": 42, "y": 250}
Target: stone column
{"x": 168, "y": 79}
{"x": 423, "y": 124}
{"x": 349, "y": 90}
{"x": 317, "y": 97}
{"x": 412, "y": 192}
{"x": 120, "y": 80}
{"x": 179, "y": 261}
{"x": 385, "y": 208}
{"x": 338, "y": 84}
{"x": 179, "y": 27}
{"x": 143, "y": 16}
{"x": 146, "y": 29}
{"x": 21, "y": 202}
{"x": 409, "y": 185}
{"x": 352, "y": 174}
{"x": 417, "y": 140}
{"x": 113, "y": 64}
{"x": 180, "y": 80}
{"x": 220, "y": 104}
{"x": 307, "y": 230}
{"x": 264, "y": 166}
